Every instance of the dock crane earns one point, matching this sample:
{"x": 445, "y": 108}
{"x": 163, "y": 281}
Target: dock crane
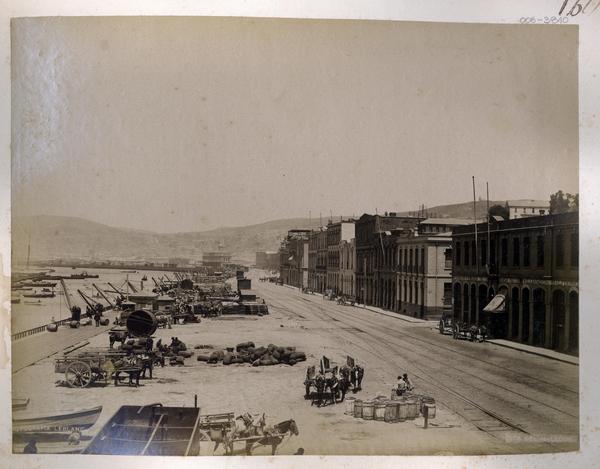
{"x": 103, "y": 295}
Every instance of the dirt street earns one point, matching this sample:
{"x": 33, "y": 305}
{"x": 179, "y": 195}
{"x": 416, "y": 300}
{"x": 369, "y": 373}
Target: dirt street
{"x": 489, "y": 399}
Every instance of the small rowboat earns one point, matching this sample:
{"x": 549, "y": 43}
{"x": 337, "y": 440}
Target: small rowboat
{"x": 79, "y": 420}
{"x": 50, "y": 443}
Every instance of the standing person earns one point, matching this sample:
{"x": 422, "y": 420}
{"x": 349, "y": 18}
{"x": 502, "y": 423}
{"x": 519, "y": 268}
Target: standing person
{"x": 97, "y": 318}
{"x": 149, "y": 344}
{"x": 409, "y": 384}
{"x": 400, "y": 387}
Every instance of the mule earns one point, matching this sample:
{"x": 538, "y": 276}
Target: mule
{"x": 274, "y": 435}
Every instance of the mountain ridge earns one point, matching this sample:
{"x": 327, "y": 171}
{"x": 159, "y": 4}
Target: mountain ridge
{"x": 75, "y": 238}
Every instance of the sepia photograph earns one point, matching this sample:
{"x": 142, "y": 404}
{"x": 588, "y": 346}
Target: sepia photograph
{"x": 284, "y": 237}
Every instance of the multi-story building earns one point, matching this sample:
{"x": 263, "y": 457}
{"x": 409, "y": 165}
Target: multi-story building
{"x": 413, "y": 272}
{"x": 216, "y": 259}
{"x": 520, "y": 277}
{"x": 524, "y": 208}
{"x": 336, "y": 234}
{"x": 317, "y": 263}
{"x": 347, "y": 285}
{"x": 372, "y": 257}
{"x": 293, "y": 255}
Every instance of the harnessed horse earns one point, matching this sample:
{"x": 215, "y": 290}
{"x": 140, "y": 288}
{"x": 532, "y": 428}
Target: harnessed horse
{"x": 275, "y": 435}
{"x": 243, "y": 427}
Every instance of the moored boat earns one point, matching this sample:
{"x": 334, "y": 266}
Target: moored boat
{"x": 45, "y": 293}
{"x": 78, "y": 420}
{"x": 40, "y": 284}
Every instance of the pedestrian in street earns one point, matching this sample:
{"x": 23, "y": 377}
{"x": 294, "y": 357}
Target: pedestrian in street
{"x": 97, "y": 318}
{"x": 400, "y": 387}
{"x": 149, "y": 344}
{"x": 409, "y": 384}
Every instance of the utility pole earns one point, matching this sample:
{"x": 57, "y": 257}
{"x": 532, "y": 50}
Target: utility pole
{"x": 489, "y": 252}
{"x": 475, "y": 220}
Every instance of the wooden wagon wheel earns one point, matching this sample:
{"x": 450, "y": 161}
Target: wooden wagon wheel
{"x": 78, "y": 374}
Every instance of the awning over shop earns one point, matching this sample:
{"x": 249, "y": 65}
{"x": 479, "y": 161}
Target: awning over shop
{"x": 496, "y": 305}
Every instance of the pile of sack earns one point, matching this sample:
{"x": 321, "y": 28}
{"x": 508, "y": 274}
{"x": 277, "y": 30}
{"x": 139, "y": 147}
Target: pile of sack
{"x": 247, "y": 352}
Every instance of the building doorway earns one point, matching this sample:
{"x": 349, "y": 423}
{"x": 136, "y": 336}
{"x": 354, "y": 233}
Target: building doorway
{"x": 558, "y": 320}
{"x": 457, "y": 301}
{"x": 514, "y": 313}
{"x": 574, "y": 322}
{"x": 539, "y": 317}
{"x": 525, "y": 315}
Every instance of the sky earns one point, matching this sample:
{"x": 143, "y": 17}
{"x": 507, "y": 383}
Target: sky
{"x": 185, "y": 124}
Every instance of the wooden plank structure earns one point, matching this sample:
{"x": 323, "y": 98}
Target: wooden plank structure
{"x": 151, "y": 430}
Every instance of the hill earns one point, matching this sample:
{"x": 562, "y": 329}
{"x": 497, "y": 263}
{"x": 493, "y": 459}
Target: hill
{"x": 57, "y": 237}
{"x": 69, "y": 238}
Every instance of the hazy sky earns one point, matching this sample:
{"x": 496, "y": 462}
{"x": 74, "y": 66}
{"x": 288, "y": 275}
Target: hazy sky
{"x": 177, "y": 124}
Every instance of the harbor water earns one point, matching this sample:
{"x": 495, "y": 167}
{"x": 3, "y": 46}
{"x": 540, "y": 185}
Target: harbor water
{"x": 33, "y": 312}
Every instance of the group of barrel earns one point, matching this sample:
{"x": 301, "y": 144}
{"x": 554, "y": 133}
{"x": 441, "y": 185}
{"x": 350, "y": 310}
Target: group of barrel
{"x": 396, "y": 409}
{"x": 247, "y": 352}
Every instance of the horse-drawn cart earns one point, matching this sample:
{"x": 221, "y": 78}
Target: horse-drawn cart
{"x": 83, "y": 369}
{"x": 252, "y": 432}
{"x": 469, "y": 332}
{"x": 346, "y": 300}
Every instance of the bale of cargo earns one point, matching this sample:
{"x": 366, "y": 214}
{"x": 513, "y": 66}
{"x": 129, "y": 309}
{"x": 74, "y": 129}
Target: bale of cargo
{"x": 176, "y": 361}
{"x": 268, "y": 360}
{"x": 215, "y": 357}
{"x": 184, "y": 354}
{"x": 104, "y": 322}
{"x": 203, "y": 358}
{"x": 227, "y": 358}
{"x": 52, "y": 327}
{"x": 74, "y": 324}
{"x": 86, "y": 322}
{"x": 237, "y": 359}
{"x": 298, "y": 356}
{"x": 259, "y": 352}
{"x": 244, "y": 345}
{"x": 141, "y": 323}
